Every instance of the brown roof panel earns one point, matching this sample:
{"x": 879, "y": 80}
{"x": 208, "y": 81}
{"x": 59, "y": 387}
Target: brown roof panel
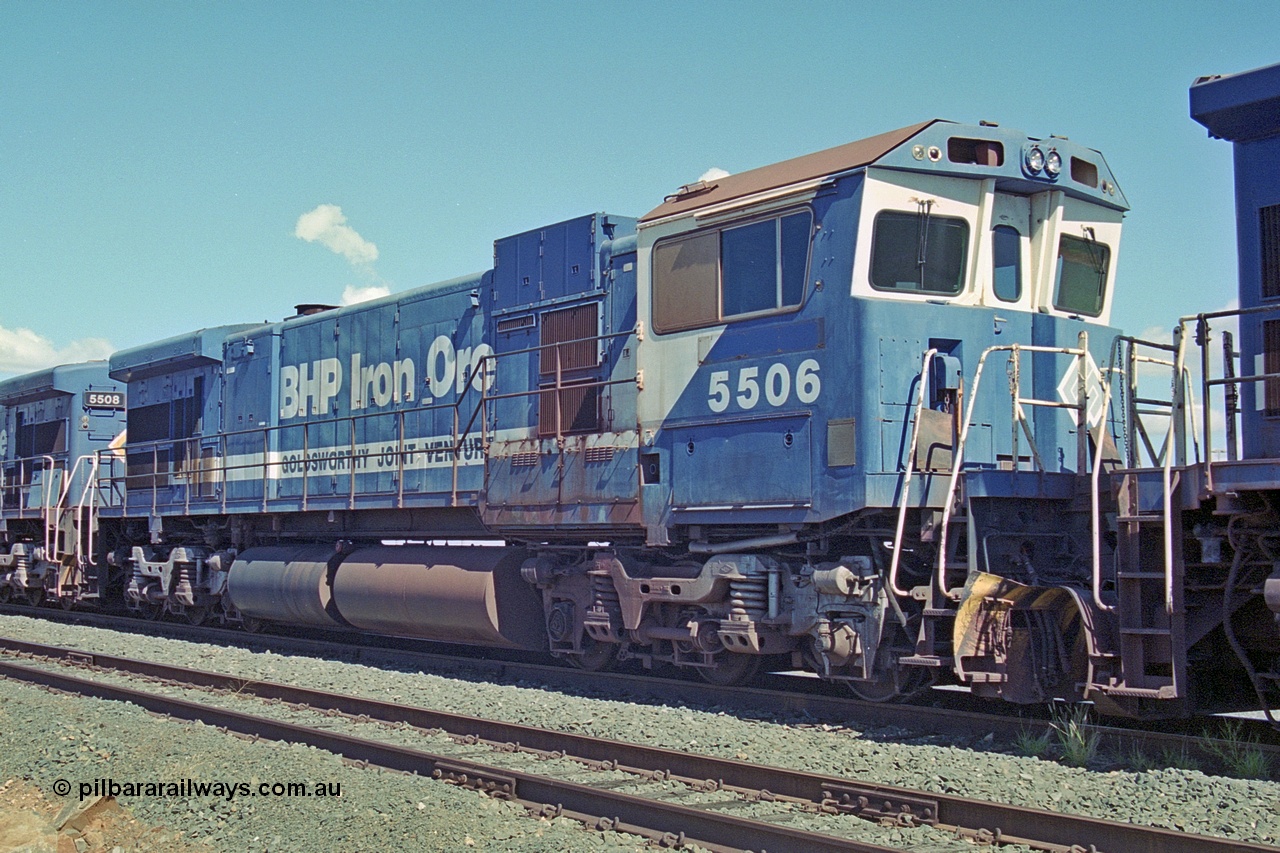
{"x": 842, "y": 158}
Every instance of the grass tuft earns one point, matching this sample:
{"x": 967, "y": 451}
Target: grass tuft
{"x": 1239, "y": 753}
{"x": 1077, "y": 741}
{"x": 1032, "y": 745}
{"x": 1138, "y": 760}
{"x": 1178, "y": 759}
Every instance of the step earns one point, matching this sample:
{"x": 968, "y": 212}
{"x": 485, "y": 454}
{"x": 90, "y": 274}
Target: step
{"x": 1166, "y": 692}
{"x": 1140, "y": 576}
{"x": 1147, "y": 632}
{"x": 937, "y": 613}
{"x": 926, "y": 660}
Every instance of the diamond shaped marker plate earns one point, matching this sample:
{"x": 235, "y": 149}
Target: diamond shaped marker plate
{"x": 1094, "y": 389}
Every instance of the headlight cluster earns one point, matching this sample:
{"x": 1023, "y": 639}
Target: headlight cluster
{"x": 1036, "y": 161}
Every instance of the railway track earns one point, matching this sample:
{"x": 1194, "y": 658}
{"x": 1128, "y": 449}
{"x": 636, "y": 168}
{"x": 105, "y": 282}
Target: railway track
{"x": 773, "y": 695}
{"x": 601, "y": 805}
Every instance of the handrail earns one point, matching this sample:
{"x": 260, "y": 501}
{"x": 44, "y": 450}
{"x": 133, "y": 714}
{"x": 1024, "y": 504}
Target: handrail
{"x": 1095, "y": 496}
{"x": 1171, "y": 449}
{"x": 957, "y": 462}
{"x": 1181, "y": 386}
{"x": 1203, "y": 340}
{"x": 55, "y": 553}
{"x": 1166, "y": 472}
{"x": 13, "y": 490}
{"x": 906, "y": 478}
{"x": 45, "y": 506}
{"x": 479, "y": 368}
{"x": 90, "y": 487}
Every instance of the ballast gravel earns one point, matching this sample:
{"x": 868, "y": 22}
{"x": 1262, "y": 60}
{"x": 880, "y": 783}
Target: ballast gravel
{"x": 44, "y": 738}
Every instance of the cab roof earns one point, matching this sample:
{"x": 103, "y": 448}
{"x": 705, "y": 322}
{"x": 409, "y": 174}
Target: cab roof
{"x": 52, "y": 382}
{"x": 936, "y": 146}
{"x": 842, "y": 158}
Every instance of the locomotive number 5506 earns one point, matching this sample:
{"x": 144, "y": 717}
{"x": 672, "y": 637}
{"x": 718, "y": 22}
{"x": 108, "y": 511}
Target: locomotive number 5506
{"x": 775, "y": 388}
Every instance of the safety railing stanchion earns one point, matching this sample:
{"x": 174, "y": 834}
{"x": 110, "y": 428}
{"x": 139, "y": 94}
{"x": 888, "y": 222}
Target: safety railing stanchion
{"x": 906, "y": 479}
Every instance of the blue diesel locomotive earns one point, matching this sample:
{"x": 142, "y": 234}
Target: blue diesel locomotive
{"x": 53, "y": 424}
{"x": 860, "y": 412}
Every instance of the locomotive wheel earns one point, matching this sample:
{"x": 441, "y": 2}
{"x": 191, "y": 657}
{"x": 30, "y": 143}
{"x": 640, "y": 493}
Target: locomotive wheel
{"x": 596, "y": 656}
{"x": 67, "y": 601}
{"x": 882, "y": 688}
{"x": 730, "y": 669}
{"x": 150, "y": 610}
{"x": 196, "y": 615}
{"x": 6, "y": 594}
{"x": 35, "y": 597}
{"x": 251, "y": 625}
{"x": 890, "y": 685}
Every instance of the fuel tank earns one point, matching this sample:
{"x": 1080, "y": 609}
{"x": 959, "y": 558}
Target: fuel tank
{"x": 285, "y": 583}
{"x": 471, "y": 595}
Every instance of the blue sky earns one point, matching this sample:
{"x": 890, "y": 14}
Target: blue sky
{"x": 157, "y": 157}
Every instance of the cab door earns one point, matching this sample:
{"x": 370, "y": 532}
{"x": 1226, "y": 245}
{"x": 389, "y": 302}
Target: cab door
{"x": 1007, "y": 282}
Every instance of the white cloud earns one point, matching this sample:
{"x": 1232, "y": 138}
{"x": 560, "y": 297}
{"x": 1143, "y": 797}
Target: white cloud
{"x": 359, "y": 293}
{"x": 22, "y": 351}
{"x": 1156, "y": 334}
{"x": 714, "y": 174}
{"x": 328, "y": 226}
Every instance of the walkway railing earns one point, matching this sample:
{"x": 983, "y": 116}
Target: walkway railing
{"x": 190, "y": 464}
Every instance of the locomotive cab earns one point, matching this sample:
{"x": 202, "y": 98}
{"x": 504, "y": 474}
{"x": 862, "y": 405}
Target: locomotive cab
{"x": 797, "y": 302}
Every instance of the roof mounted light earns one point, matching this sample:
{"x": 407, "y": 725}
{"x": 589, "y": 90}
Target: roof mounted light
{"x": 1053, "y": 164}
{"x": 1033, "y": 161}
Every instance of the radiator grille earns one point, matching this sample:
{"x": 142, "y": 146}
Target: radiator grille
{"x": 579, "y": 409}
{"x": 600, "y": 454}
{"x": 516, "y": 324}
{"x": 1271, "y": 364}
{"x": 559, "y": 328}
{"x": 1269, "y": 237}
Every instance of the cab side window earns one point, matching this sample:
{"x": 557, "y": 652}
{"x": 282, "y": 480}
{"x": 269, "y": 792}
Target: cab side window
{"x": 733, "y": 272}
{"x": 1006, "y": 263}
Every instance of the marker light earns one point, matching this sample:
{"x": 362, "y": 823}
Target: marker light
{"x": 1053, "y": 164}
{"x": 1035, "y": 160}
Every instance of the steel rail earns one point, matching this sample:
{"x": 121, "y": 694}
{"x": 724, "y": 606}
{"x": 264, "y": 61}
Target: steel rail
{"x": 1002, "y": 823}
{"x": 597, "y": 807}
{"x": 774, "y": 693}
